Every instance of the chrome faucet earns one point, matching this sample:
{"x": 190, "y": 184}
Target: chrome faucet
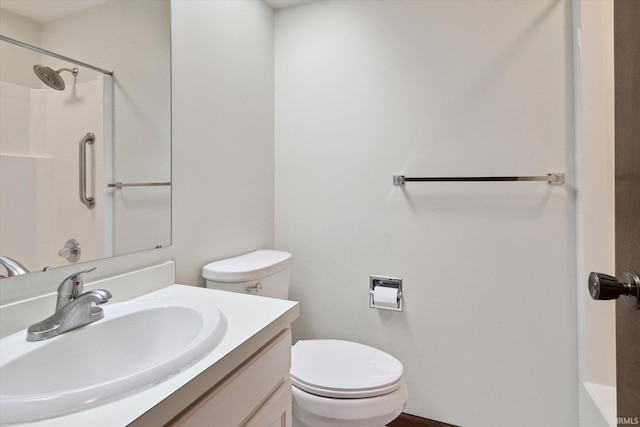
{"x": 73, "y": 308}
{"x": 71, "y": 288}
{"x": 13, "y": 267}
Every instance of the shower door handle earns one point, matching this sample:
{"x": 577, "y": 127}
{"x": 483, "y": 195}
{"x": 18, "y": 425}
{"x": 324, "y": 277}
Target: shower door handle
{"x": 89, "y": 138}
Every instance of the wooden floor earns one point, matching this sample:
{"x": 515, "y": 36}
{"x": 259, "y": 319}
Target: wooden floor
{"x": 407, "y": 420}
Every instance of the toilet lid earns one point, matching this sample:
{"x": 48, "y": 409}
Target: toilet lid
{"x": 343, "y": 369}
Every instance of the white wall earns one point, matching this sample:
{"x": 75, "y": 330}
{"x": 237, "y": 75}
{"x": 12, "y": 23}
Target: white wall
{"x": 595, "y": 220}
{"x": 223, "y": 158}
{"x": 19, "y": 28}
{"x": 367, "y": 90}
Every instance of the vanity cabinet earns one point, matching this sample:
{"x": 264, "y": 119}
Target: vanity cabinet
{"x": 242, "y": 381}
{"x": 257, "y": 393}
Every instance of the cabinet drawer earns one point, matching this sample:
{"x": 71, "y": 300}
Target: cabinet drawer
{"x": 235, "y": 400}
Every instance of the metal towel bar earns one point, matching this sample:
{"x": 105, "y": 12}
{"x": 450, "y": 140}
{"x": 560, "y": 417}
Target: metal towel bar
{"x": 551, "y": 178}
{"x": 118, "y": 185}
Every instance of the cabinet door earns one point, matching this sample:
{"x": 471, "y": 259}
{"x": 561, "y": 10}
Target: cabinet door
{"x": 276, "y": 411}
{"x": 242, "y": 393}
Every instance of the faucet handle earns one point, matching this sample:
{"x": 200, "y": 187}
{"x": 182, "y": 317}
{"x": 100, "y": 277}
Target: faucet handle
{"x": 71, "y": 287}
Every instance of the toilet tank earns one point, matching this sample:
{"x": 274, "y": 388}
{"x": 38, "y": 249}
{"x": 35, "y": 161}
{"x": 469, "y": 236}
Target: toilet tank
{"x": 264, "y": 272}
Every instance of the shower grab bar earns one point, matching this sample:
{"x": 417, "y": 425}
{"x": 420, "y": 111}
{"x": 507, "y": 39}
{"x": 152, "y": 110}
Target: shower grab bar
{"x": 89, "y": 138}
{"x": 118, "y": 185}
{"x": 551, "y": 178}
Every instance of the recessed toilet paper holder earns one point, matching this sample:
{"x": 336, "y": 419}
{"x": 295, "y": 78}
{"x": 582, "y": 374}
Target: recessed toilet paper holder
{"x": 389, "y": 283}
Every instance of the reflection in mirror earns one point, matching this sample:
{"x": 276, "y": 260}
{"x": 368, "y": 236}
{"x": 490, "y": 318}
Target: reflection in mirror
{"x": 69, "y": 132}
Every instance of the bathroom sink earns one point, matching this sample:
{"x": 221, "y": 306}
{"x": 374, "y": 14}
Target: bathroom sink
{"x": 138, "y": 344}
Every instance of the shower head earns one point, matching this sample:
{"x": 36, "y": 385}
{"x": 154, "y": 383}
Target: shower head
{"x": 51, "y": 77}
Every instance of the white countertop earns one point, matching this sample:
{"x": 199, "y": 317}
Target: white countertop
{"x": 252, "y": 321}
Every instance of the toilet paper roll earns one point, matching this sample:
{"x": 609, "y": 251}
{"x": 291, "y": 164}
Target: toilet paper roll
{"x": 385, "y": 296}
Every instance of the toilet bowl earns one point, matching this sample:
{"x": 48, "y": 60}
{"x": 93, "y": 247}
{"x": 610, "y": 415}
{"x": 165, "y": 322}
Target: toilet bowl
{"x": 335, "y": 383}
{"x": 344, "y": 384}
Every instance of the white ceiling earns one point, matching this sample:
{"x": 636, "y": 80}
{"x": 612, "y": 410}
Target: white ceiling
{"x": 47, "y": 10}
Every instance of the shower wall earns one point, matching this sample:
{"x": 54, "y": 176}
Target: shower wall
{"x": 39, "y": 202}
{"x": 28, "y": 31}
{"x": 368, "y": 90}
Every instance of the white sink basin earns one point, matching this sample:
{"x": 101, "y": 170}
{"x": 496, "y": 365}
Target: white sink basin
{"x": 136, "y": 345}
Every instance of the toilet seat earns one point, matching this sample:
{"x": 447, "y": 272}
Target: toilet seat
{"x": 317, "y": 411}
{"x": 343, "y": 369}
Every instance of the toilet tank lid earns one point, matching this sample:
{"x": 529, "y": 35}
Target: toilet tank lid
{"x": 251, "y": 266}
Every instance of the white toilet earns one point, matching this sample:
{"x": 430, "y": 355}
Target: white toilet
{"x": 335, "y": 383}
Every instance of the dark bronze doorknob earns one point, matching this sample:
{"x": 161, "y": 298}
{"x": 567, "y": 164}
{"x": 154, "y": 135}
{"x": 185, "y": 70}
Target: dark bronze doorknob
{"x": 604, "y": 287}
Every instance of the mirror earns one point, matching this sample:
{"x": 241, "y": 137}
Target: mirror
{"x": 42, "y": 217}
